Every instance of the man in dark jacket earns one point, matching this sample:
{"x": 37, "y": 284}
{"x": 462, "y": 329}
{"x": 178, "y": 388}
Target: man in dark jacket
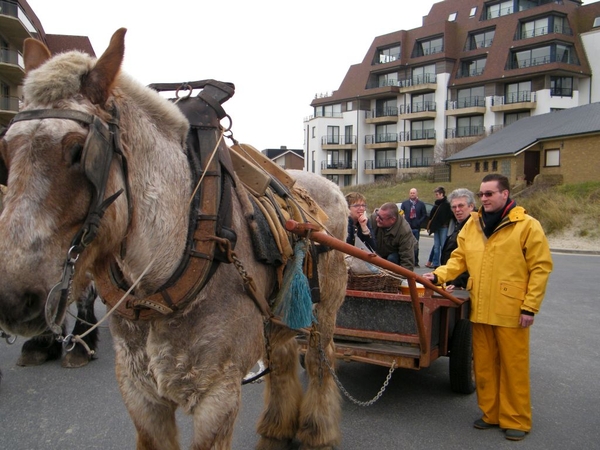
{"x": 415, "y": 214}
{"x": 393, "y": 238}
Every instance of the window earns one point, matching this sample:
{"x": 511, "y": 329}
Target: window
{"x": 348, "y": 136}
{"x": 469, "y": 126}
{"x": 333, "y": 135}
{"x": 513, "y": 117}
{"x": 422, "y": 75}
{"x": 561, "y": 86}
{"x": 534, "y": 28}
{"x": 386, "y": 55}
{"x": 386, "y": 133}
{"x": 313, "y": 131}
{"x": 494, "y": 166}
{"x": 480, "y": 39}
{"x": 486, "y": 166}
{"x": 477, "y": 167}
{"x": 386, "y": 108}
{"x": 333, "y": 159}
{"x": 544, "y": 55}
{"x": 423, "y": 102}
{"x": 473, "y": 11}
{"x": 452, "y": 17}
{"x": 421, "y": 157}
{"x": 349, "y": 106}
{"x": 329, "y": 110}
{"x": 552, "y": 158}
{"x": 471, "y": 68}
{"x": 518, "y": 92}
{"x": 422, "y": 129}
{"x": 385, "y": 159}
{"x": 388, "y": 79}
{"x": 471, "y": 97}
{"x": 499, "y": 9}
{"x": 428, "y": 47}
{"x": 596, "y": 22}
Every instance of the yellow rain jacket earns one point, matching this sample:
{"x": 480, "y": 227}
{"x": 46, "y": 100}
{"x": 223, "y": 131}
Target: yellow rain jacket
{"x": 508, "y": 272}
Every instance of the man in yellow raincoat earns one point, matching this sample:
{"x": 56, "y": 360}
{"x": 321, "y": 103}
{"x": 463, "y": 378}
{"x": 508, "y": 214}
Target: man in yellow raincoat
{"x": 508, "y": 258}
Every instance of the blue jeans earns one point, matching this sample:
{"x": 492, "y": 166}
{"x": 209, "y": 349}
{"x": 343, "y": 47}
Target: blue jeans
{"x": 394, "y": 257}
{"x": 416, "y": 234}
{"x": 439, "y": 237}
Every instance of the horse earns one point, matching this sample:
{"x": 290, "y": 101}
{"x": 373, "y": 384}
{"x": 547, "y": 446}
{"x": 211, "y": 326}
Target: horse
{"x": 135, "y": 205}
{"x": 46, "y": 347}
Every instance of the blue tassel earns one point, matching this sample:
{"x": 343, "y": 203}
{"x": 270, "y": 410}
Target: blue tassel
{"x": 294, "y": 302}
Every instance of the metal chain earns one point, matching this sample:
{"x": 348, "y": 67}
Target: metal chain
{"x": 10, "y": 339}
{"x": 346, "y": 393}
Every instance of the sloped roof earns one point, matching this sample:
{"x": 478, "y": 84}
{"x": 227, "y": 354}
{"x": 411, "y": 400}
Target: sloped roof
{"x": 517, "y": 137}
{"x": 273, "y": 153}
{"x": 58, "y": 43}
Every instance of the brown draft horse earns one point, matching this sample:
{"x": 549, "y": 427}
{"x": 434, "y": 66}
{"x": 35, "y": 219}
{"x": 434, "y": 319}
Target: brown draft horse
{"x": 196, "y": 357}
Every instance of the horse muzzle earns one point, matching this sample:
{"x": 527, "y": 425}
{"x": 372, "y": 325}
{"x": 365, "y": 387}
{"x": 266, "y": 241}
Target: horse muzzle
{"x": 23, "y": 313}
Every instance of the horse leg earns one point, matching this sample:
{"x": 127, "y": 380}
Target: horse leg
{"x": 283, "y": 394}
{"x": 321, "y": 409}
{"x": 215, "y": 415}
{"x": 79, "y": 356}
{"x": 40, "y": 349}
{"x": 153, "y": 418}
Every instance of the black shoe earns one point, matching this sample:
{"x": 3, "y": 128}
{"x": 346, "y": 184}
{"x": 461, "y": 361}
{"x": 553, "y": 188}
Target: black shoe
{"x": 417, "y": 266}
{"x": 515, "y": 435}
{"x": 481, "y": 424}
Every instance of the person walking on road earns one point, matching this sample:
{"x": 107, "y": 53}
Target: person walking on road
{"x": 508, "y": 259}
{"x": 415, "y": 214}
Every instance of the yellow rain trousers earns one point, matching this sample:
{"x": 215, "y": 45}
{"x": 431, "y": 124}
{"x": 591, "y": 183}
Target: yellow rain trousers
{"x": 501, "y": 363}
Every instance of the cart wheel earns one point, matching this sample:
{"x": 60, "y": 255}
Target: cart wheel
{"x": 462, "y": 378}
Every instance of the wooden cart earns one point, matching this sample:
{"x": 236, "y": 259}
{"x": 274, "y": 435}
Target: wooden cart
{"x": 405, "y": 330}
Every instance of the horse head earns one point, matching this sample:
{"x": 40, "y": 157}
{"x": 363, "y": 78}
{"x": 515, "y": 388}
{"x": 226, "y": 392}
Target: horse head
{"x": 52, "y": 182}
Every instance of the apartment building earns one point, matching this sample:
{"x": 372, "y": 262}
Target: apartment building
{"x": 17, "y": 23}
{"x": 472, "y": 68}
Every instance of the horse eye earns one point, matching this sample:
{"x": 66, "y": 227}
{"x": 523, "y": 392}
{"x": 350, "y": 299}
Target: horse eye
{"x": 75, "y": 151}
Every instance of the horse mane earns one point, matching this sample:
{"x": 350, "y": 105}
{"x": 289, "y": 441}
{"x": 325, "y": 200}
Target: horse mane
{"x": 62, "y": 77}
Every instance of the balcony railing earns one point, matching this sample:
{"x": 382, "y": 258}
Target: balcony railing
{"x": 381, "y": 138}
{"x": 473, "y": 43}
{"x": 417, "y": 107}
{"x": 569, "y": 58}
{"x": 469, "y": 72}
{"x": 338, "y": 140}
{"x": 514, "y": 97}
{"x": 459, "y": 132}
{"x": 13, "y": 10}
{"x": 381, "y": 164}
{"x": 338, "y": 165}
{"x": 328, "y": 114}
{"x": 541, "y": 31}
{"x": 495, "y": 128}
{"x": 561, "y": 92}
{"x": 420, "y": 51}
{"x": 417, "y": 135}
{"x": 387, "y": 111}
{"x": 466, "y": 102}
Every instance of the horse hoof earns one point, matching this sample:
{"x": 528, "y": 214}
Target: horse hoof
{"x": 32, "y": 358}
{"x": 74, "y": 360}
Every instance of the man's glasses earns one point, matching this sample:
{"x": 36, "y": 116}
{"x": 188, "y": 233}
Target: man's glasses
{"x": 486, "y": 194}
{"x": 459, "y": 206}
{"x": 383, "y": 219}
{"x": 358, "y": 206}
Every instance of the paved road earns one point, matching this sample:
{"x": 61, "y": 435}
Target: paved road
{"x": 49, "y": 407}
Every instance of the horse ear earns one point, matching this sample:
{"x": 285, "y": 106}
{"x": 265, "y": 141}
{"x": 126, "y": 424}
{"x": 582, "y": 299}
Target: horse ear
{"x": 99, "y": 81}
{"x": 35, "y": 53}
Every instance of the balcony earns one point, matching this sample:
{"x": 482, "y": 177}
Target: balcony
{"x": 338, "y": 167}
{"x": 15, "y": 24}
{"x": 381, "y": 141}
{"x": 465, "y": 134}
{"x": 567, "y": 58}
{"x": 381, "y": 166}
{"x": 12, "y": 65}
{"x": 541, "y": 31}
{"x": 466, "y": 106}
{"x": 418, "y": 110}
{"x": 515, "y": 101}
{"x": 469, "y": 72}
{"x": 418, "y": 138}
{"x": 388, "y": 114}
{"x": 418, "y": 83}
{"x": 339, "y": 142}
